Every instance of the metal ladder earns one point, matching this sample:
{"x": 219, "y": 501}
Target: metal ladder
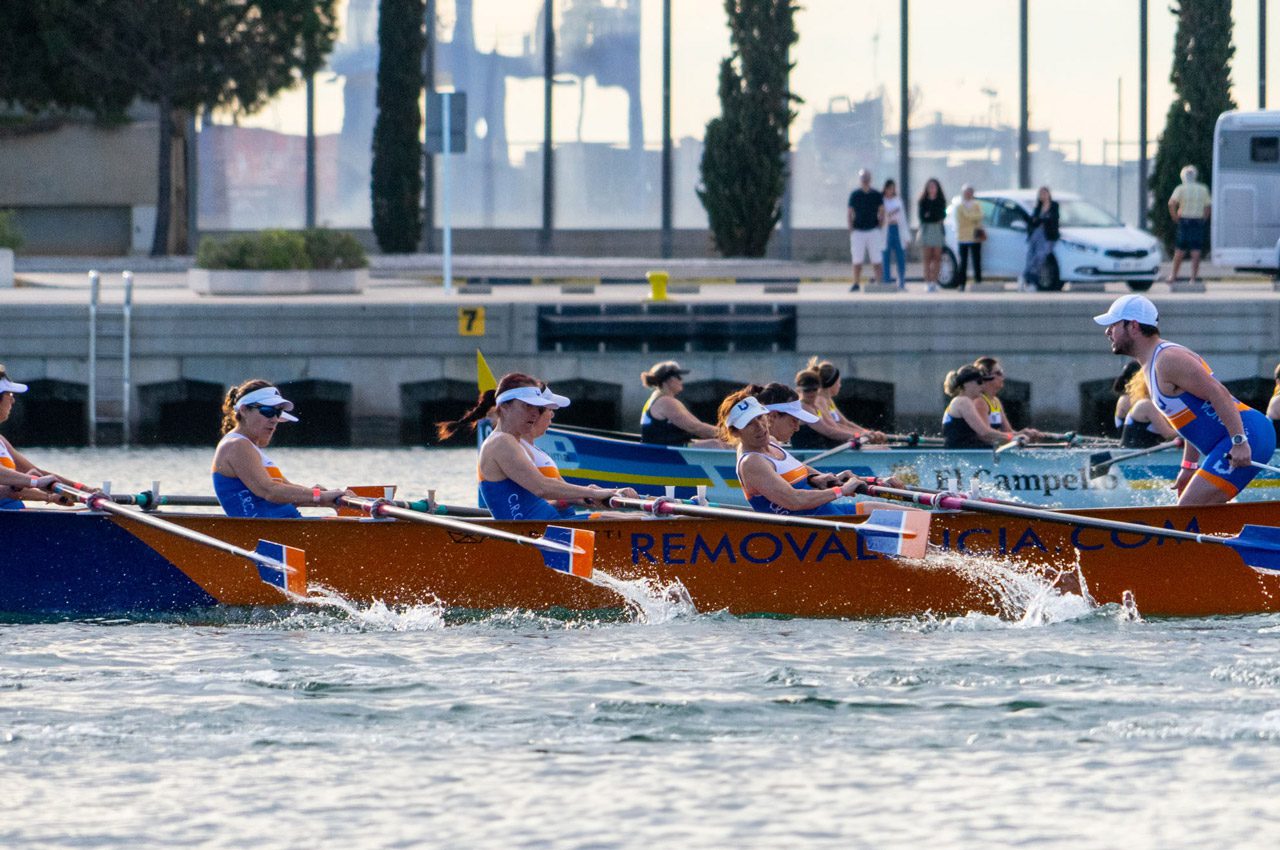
{"x": 110, "y": 381}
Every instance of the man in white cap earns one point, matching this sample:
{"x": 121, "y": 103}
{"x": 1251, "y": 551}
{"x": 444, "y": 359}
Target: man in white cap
{"x": 19, "y": 477}
{"x": 1228, "y": 434}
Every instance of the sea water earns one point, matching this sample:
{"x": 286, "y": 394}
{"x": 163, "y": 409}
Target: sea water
{"x": 1061, "y": 723}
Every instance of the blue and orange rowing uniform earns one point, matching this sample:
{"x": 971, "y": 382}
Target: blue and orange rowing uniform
{"x": 239, "y": 501}
{"x": 797, "y": 475}
{"x": 7, "y": 462}
{"x": 508, "y": 500}
{"x": 1198, "y": 423}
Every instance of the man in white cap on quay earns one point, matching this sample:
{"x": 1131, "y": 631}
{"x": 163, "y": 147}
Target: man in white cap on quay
{"x": 1214, "y": 424}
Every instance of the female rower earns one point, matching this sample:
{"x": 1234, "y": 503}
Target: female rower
{"x": 996, "y": 416}
{"x": 823, "y": 432}
{"x": 964, "y": 425}
{"x": 664, "y": 420}
{"x": 1273, "y": 406}
{"x": 517, "y": 479}
{"x": 246, "y": 481}
{"x": 1120, "y": 386}
{"x": 1144, "y": 425}
{"x": 772, "y": 479}
{"x": 830, "y": 384}
{"x": 20, "y": 478}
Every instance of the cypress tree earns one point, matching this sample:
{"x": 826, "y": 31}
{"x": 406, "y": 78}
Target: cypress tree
{"x": 744, "y": 155}
{"x": 397, "y": 151}
{"x": 1201, "y": 80}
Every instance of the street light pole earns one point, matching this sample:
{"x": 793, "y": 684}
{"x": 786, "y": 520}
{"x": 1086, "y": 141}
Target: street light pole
{"x": 1024, "y": 135}
{"x": 667, "y": 207}
{"x": 904, "y": 136}
{"x": 1142, "y": 113}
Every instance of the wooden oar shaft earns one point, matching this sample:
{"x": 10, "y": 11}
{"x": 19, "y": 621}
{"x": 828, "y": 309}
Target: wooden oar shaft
{"x": 950, "y": 501}
{"x": 1102, "y": 464}
{"x": 104, "y": 503}
{"x": 380, "y": 507}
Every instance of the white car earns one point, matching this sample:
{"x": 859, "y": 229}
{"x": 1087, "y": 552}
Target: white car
{"x": 1093, "y": 245}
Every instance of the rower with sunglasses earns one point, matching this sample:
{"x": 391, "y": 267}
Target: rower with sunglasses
{"x": 998, "y": 419}
{"x": 246, "y": 481}
{"x": 964, "y": 425}
{"x": 19, "y": 477}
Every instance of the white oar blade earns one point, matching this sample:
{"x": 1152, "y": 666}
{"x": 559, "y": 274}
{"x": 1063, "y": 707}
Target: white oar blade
{"x": 283, "y": 567}
{"x": 579, "y": 562}
{"x": 901, "y": 533}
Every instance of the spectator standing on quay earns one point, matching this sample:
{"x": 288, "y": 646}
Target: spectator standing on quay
{"x": 969, "y": 234}
{"x": 1042, "y": 235}
{"x": 865, "y": 217}
{"x": 897, "y": 233}
{"x": 932, "y": 211}
{"x": 1190, "y": 206}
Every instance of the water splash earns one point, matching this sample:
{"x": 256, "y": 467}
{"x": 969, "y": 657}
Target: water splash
{"x": 1026, "y": 596}
{"x": 650, "y": 601}
{"x": 326, "y": 609}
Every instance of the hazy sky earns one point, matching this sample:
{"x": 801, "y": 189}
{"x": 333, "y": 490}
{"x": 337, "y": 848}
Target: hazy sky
{"x": 966, "y": 66}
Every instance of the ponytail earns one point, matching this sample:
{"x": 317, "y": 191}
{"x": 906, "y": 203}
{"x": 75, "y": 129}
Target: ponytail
{"x": 230, "y": 416}
{"x": 486, "y": 402}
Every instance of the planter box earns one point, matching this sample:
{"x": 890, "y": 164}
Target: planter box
{"x": 6, "y": 268}
{"x": 308, "y": 282}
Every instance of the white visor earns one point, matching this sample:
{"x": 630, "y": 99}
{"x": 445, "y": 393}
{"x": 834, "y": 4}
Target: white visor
{"x": 268, "y": 397}
{"x": 8, "y": 386}
{"x": 793, "y": 408}
{"x": 745, "y": 411}
{"x": 534, "y": 396}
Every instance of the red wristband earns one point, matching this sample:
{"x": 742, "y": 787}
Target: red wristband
{"x": 1186, "y": 464}
{"x": 315, "y": 495}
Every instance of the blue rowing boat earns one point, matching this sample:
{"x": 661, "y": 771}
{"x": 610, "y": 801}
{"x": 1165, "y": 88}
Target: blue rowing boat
{"x": 1047, "y": 476}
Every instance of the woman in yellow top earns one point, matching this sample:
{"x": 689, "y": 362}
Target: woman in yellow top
{"x": 968, "y": 216}
{"x": 965, "y": 424}
{"x": 821, "y": 400}
{"x": 991, "y": 388}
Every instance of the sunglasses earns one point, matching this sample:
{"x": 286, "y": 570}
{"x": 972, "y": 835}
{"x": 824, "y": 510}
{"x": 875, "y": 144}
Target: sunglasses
{"x": 268, "y": 411}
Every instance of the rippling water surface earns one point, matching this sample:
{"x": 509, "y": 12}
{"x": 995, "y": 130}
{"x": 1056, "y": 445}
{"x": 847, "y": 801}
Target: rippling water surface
{"x": 1063, "y": 725}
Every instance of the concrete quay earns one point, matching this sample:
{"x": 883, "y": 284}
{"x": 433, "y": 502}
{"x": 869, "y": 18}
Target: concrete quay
{"x": 379, "y": 367}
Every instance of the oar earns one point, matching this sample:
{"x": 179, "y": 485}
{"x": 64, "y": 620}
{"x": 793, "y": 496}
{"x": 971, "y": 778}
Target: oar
{"x": 1265, "y": 466}
{"x": 282, "y": 567}
{"x": 1101, "y": 462}
{"x": 569, "y": 550}
{"x": 914, "y": 439}
{"x": 1257, "y": 545}
{"x": 914, "y": 489}
{"x": 855, "y": 443}
{"x": 1017, "y": 442}
{"x": 891, "y": 532}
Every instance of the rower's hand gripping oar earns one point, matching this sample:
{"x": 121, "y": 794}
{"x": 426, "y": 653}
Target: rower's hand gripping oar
{"x": 282, "y": 567}
{"x": 567, "y": 550}
{"x": 1257, "y": 545}
{"x": 1101, "y": 462}
{"x": 891, "y": 532}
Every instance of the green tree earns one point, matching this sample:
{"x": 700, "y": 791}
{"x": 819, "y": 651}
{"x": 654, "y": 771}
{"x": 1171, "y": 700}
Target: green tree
{"x": 397, "y": 151}
{"x": 744, "y": 154}
{"x": 181, "y": 55}
{"x": 1201, "y": 80}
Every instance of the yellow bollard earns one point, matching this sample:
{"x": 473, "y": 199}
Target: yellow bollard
{"x": 657, "y": 285}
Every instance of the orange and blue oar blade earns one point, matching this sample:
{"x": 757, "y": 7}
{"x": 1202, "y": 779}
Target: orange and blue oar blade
{"x": 1259, "y": 546}
{"x": 901, "y": 533}
{"x": 282, "y": 567}
{"x": 576, "y": 563}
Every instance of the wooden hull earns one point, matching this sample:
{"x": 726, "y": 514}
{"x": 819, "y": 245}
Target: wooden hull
{"x": 85, "y": 565}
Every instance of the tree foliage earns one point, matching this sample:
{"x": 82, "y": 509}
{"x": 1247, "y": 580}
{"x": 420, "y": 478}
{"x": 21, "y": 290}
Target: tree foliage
{"x": 397, "y": 150}
{"x": 180, "y": 55}
{"x": 1201, "y": 80}
{"x": 744, "y": 155}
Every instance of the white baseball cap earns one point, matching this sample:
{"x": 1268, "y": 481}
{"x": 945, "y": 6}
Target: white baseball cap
{"x": 792, "y": 408}
{"x": 532, "y": 395}
{"x": 268, "y": 397}
{"x": 8, "y": 386}
{"x": 1130, "y": 308}
{"x": 745, "y": 411}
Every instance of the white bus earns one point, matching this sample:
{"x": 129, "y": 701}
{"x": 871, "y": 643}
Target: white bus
{"x": 1244, "y": 228}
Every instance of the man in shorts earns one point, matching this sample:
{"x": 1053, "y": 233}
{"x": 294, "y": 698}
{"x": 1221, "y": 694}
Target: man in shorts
{"x": 1190, "y": 207}
{"x": 866, "y": 218}
{"x": 1222, "y": 435}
